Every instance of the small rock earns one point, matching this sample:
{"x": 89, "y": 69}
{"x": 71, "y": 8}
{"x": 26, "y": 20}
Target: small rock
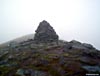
{"x": 3, "y": 62}
{"x": 30, "y": 72}
{"x": 20, "y": 72}
{"x": 62, "y": 60}
{"x": 10, "y": 57}
{"x": 91, "y": 53}
{"x": 67, "y": 47}
{"x": 77, "y": 45}
{"x": 75, "y": 42}
{"x": 41, "y": 73}
{"x": 88, "y": 60}
{"x": 42, "y": 62}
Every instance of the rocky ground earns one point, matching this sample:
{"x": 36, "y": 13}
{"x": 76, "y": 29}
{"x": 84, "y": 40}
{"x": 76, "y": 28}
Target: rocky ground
{"x": 62, "y": 59}
{"x": 46, "y": 55}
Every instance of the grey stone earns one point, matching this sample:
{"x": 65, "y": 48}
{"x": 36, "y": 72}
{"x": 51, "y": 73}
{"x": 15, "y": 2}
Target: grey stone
{"x": 44, "y": 62}
{"x": 3, "y": 62}
{"x": 84, "y": 59}
{"x": 11, "y": 57}
{"x": 45, "y": 33}
{"x": 67, "y": 47}
{"x": 75, "y": 42}
{"x": 88, "y": 60}
{"x": 89, "y": 46}
{"x": 20, "y": 72}
{"x": 62, "y": 60}
{"x": 76, "y": 45}
{"x": 40, "y": 73}
{"x": 79, "y": 45}
{"x": 13, "y": 44}
{"x": 30, "y": 72}
{"x": 91, "y": 68}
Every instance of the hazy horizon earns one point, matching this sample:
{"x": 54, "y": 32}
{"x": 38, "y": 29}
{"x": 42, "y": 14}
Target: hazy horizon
{"x": 72, "y": 19}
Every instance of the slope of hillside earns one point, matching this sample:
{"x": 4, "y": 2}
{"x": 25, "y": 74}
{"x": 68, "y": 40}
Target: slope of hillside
{"x": 62, "y": 59}
{"x": 18, "y": 40}
{"x": 48, "y": 56}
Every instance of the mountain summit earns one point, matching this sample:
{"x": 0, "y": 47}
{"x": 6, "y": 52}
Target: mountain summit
{"x": 42, "y": 56}
{"x": 45, "y": 33}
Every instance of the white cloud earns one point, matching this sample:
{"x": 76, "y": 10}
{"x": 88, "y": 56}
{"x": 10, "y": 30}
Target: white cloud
{"x": 72, "y": 19}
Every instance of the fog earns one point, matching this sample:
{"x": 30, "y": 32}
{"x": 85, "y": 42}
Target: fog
{"x": 71, "y": 19}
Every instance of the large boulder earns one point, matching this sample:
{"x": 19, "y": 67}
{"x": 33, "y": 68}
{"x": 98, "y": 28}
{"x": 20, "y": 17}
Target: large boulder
{"x": 89, "y": 46}
{"x": 78, "y": 45}
{"x": 45, "y": 33}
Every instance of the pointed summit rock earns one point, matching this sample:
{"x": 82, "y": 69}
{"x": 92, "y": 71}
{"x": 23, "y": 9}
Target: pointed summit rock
{"x": 45, "y": 33}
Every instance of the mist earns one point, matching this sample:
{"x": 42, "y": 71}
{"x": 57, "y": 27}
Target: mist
{"x": 71, "y": 19}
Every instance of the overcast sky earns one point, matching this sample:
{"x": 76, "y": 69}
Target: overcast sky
{"x": 72, "y": 19}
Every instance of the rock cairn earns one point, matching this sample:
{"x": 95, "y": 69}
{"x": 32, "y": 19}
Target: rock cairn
{"x": 45, "y": 33}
